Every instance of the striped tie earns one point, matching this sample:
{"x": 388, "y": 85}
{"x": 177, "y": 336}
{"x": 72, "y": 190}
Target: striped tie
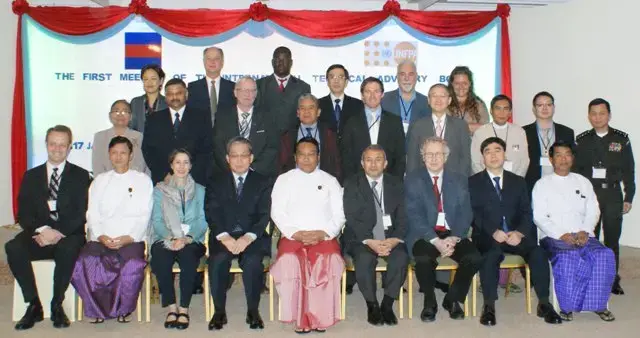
{"x": 54, "y": 183}
{"x": 244, "y": 125}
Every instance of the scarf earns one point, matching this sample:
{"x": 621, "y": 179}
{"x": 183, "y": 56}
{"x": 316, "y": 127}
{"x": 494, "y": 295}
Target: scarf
{"x": 173, "y": 199}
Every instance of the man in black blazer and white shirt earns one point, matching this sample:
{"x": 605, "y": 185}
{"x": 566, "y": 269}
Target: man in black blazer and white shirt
{"x": 212, "y": 91}
{"x": 337, "y": 107}
{"x": 52, "y": 204}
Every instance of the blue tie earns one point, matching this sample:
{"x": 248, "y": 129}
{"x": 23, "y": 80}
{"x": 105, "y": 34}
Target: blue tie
{"x": 337, "y": 111}
{"x": 308, "y": 132}
{"x": 239, "y": 187}
{"x": 176, "y": 124}
{"x": 499, "y": 192}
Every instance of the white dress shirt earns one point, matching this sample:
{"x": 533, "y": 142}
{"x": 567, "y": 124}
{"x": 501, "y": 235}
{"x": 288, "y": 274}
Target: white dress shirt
{"x": 50, "y": 171}
{"x": 517, "y": 151}
{"x": 441, "y": 196}
{"x": 217, "y": 81}
{"x": 435, "y": 125}
{"x": 374, "y": 117}
{"x": 180, "y": 113}
{"x": 286, "y": 80}
{"x": 236, "y": 182}
{"x": 493, "y": 182}
{"x": 333, "y": 101}
{"x": 564, "y": 204}
{"x": 303, "y": 201}
{"x": 378, "y": 189}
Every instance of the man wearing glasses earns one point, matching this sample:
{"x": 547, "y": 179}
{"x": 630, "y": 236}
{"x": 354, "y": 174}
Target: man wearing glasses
{"x": 337, "y": 107}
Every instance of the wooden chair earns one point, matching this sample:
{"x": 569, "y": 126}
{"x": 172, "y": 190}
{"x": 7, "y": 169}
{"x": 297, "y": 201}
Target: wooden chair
{"x": 444, "y": 264}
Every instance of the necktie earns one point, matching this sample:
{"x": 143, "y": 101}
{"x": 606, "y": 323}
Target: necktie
{"x": 378, "y": 229}
{"x": 176, "y": 124}
{"x": 53, "y": 192}
{"x": 308, "y": 132}
{"x": 499, "y": 192}
{"x": 436, "y": 192}
{"x": 213, "y": 101}
{"x": 439, "y": 127}
{"x": 282, "y": 84}
{"x": 244, "y": 125}
{"x": 337, "y": 111}
{"x": 239, "y": 188}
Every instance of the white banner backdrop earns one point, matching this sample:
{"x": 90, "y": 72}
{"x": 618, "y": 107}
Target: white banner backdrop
{"x": 74, "y": 80}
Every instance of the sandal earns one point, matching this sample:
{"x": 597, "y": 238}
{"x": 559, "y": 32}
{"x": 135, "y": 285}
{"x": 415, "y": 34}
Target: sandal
{"x": 566, "y": 316}
{"x": 123, "y": 319}
{"x": 302, "y": 331}
{"x": 319, "y": 330}
{"x": 170, "y": 324}
{"x": 182, "y": 325}
{"x": 606, "y": 315}
{"x": 97, "y": 321}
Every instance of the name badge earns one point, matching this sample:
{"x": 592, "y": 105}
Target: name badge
{"x": 599, "y": 173}
{"x": 406, "y": 127}
{"x": 185, "y": 228}
{"x": 508, "y": 165}
{"x": 440, "y": 221}
{"x": 386, "y": 221}
{"x": 53, "y": 205}
{"x": 544, "y": 161}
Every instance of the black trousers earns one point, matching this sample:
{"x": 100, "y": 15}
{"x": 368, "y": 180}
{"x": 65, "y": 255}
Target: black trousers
{"x": 162, "y": 261}
{"x": 465, "y": 254}
{"x": 365, "y": 261}
{"x": 610, "y": 221}
{"x": 250, "y": 262}
{"x": 22, "y": 250}
{"x": 533, "y": 254}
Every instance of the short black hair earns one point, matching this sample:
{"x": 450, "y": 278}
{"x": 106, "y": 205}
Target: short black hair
{"x": 599, "y": 101}
{"x": 281, "y": 50}
{"x": 175, "y": 81}
{"x": 156, "y": 68}
{"x": 560, "y": 144}
{"x": 338, "y": 66}
{"x": 501, "y": 97}
{"x": 543, "y": 94}
{"x": 492, "y": 140}
{"x": 371, "y": 79}
{"x": 308, "y": 139}
{"x": 121, "y": 140}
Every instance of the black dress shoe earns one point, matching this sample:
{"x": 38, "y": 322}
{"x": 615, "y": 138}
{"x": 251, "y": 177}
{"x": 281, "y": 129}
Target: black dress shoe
{"x": 428, "y": 314}
{"x": 488, "y": 317}
{"x": 616, "y": 289}
{"x": 388, "y": 317}
{"x": 349, "y": 289}
{"x": 33, "y": 314}
{"x": 455, "y": 311}
{"x": 254, "y": 320}
{"x": 444, "y": 287}
{"x": 550, "y": 315}
{"x": 374, "y": 314}
{"x": 58, "y": 317}
{"x": 198, "y": 290}
{"x": 218, "y": 321}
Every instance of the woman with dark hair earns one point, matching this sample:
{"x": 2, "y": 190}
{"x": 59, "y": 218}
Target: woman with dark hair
{"x": 120, "y": 116}
{"x": 151, "y": 101}
{"x": 465, "y": 104}
{"x": 109, "y": 272}
{"x": 179, "y": 226}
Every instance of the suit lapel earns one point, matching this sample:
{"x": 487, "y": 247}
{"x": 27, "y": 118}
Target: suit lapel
{"x": 365, "y": 190}
{"x": 537, "y": 151}
{"x": 388, "y": 195}
{"x": 382, "y": 131}
{"x": 448, "y": 197}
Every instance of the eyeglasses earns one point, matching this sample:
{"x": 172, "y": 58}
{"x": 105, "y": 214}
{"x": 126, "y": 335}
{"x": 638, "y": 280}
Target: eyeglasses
{"x": 246, "y": 91}
{"x": 239, "y": 156}
{"x": 120, "y": 112}
{"x": 434, "y": 155}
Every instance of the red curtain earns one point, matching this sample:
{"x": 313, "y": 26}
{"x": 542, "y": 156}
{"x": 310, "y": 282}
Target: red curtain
{"x": 207, "y": 22}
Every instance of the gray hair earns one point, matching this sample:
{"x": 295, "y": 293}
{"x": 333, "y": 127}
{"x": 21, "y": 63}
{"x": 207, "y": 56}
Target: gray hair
{"x": 375, "y": 147}
{"x": 239, "y": 139}
{"x": 406, "y": 62}
{"x": 435, "y": 140}
{"x": 310, "y": 97}
{"x": 214, "y": 48}
{"x": 244, "y": 78}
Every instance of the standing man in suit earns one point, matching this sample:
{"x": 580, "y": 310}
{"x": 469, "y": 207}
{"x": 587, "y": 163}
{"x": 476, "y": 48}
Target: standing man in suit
{"x": 373, "y": 125}
{"x": 310, "y": 126}
{"x": 337, "y": 106}
{"x": 541, "y": 134}
{"x": 278, "y": 93}
{"x": 246, "y": 121}
{"x": 374, "y": 209}
{"x": 178, "y": 126}
{"x": 237, "y": 210}
{"x": 453, "y": 130}
{"x": 503, "y": 223}
{"x": 405, "y": 101}
{"x": 212, "y": 91}
{"x": 52, "y": 204}
{"x": 439, "y": 217}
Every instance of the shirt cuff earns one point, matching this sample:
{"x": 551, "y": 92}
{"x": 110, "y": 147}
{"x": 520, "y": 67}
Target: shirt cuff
{"x": 39, "y": 230}
{"x": 252, "y": 235}
{"x": 222, "y": 235}
{"x": 433, "y": 241}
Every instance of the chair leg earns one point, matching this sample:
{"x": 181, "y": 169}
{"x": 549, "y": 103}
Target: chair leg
{"x": 452, "y": 275}
{"x": 147, "y": 282}
{"x": 80, "y": 310}
{"x": 466, "y": 306}
{"x": 506, "y": 289}
{"x": 270, "y": 297}
{"x": 401, "y": 304}
{"x": 474, "y": 289}
{"x": 279, "y": 309}
{"x": 528, "y": 288}
{"x": 343, "y": 306}
{"x": 207, "y": 296}
{"x": 139, "y": 307}
{"x": 410, "y": 290}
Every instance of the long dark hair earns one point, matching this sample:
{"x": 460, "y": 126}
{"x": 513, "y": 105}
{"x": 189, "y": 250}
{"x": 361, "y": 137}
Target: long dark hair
{"x": 471, "y": 105}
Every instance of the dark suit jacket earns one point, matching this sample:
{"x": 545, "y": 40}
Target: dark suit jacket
{"x": 488, "y": 209}
{"x": 329, "y": 151}
{"x": 73, "y": 195}
{"x": 263, "y": 136}
{"x": 350, "y": 107}
{"x": 360, "y": 210}
{"x": 199, "y": 94}
{"x": 456, "y": 133}
{"x": 422, "y": 205}
{"x": 420, "y": 108}
{"x": 355, "y": 139}
{"x": 194, "y": 135}
{"x": 282, "y": 106}
{"x": 138, "y": 111}
{"x": 223, "y": 210}
{"x": 562, "y": 133}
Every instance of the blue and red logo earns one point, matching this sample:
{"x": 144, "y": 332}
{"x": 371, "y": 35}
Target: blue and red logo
{"x": 141, "y": 49}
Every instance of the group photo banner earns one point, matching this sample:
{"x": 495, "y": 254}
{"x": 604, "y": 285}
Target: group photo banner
{"x": 72, "y": 65}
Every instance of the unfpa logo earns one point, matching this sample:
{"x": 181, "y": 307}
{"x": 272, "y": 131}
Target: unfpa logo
{"x": 388, "y": 53}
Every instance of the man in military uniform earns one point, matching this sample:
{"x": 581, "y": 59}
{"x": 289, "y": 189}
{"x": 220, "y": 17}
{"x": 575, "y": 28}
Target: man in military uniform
{"x": 604, "y": 156}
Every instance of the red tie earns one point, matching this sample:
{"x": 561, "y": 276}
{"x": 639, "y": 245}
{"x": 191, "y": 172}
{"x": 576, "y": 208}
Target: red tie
{"x": 436, "y": 192}
{"x": 282, "y": 84}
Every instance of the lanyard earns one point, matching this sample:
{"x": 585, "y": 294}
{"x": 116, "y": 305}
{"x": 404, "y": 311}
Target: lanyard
{"x": 374, "y": 122}
{"x": 496, "y": 134}
{"x": 547, "y": 144}
{"x": 378, "y": 201}
{"x": 407, "y": 111}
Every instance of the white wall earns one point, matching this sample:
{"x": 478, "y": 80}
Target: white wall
{"x": 579, "y": 51}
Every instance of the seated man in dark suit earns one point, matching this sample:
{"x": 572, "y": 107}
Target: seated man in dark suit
{"x": 374, "y": 209}
{"x": 310, "y": 126}
{"x": 439, "y": 217}
{"x": 212, "y": 92}
{"x": 178, "y": 126}
{"x": 237, "y": 210}
{"x": 337, "y": 106}
{"x": 503, "y": 223}
{"x": 52, "y": 204}
{"x": 246, "y": 121}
